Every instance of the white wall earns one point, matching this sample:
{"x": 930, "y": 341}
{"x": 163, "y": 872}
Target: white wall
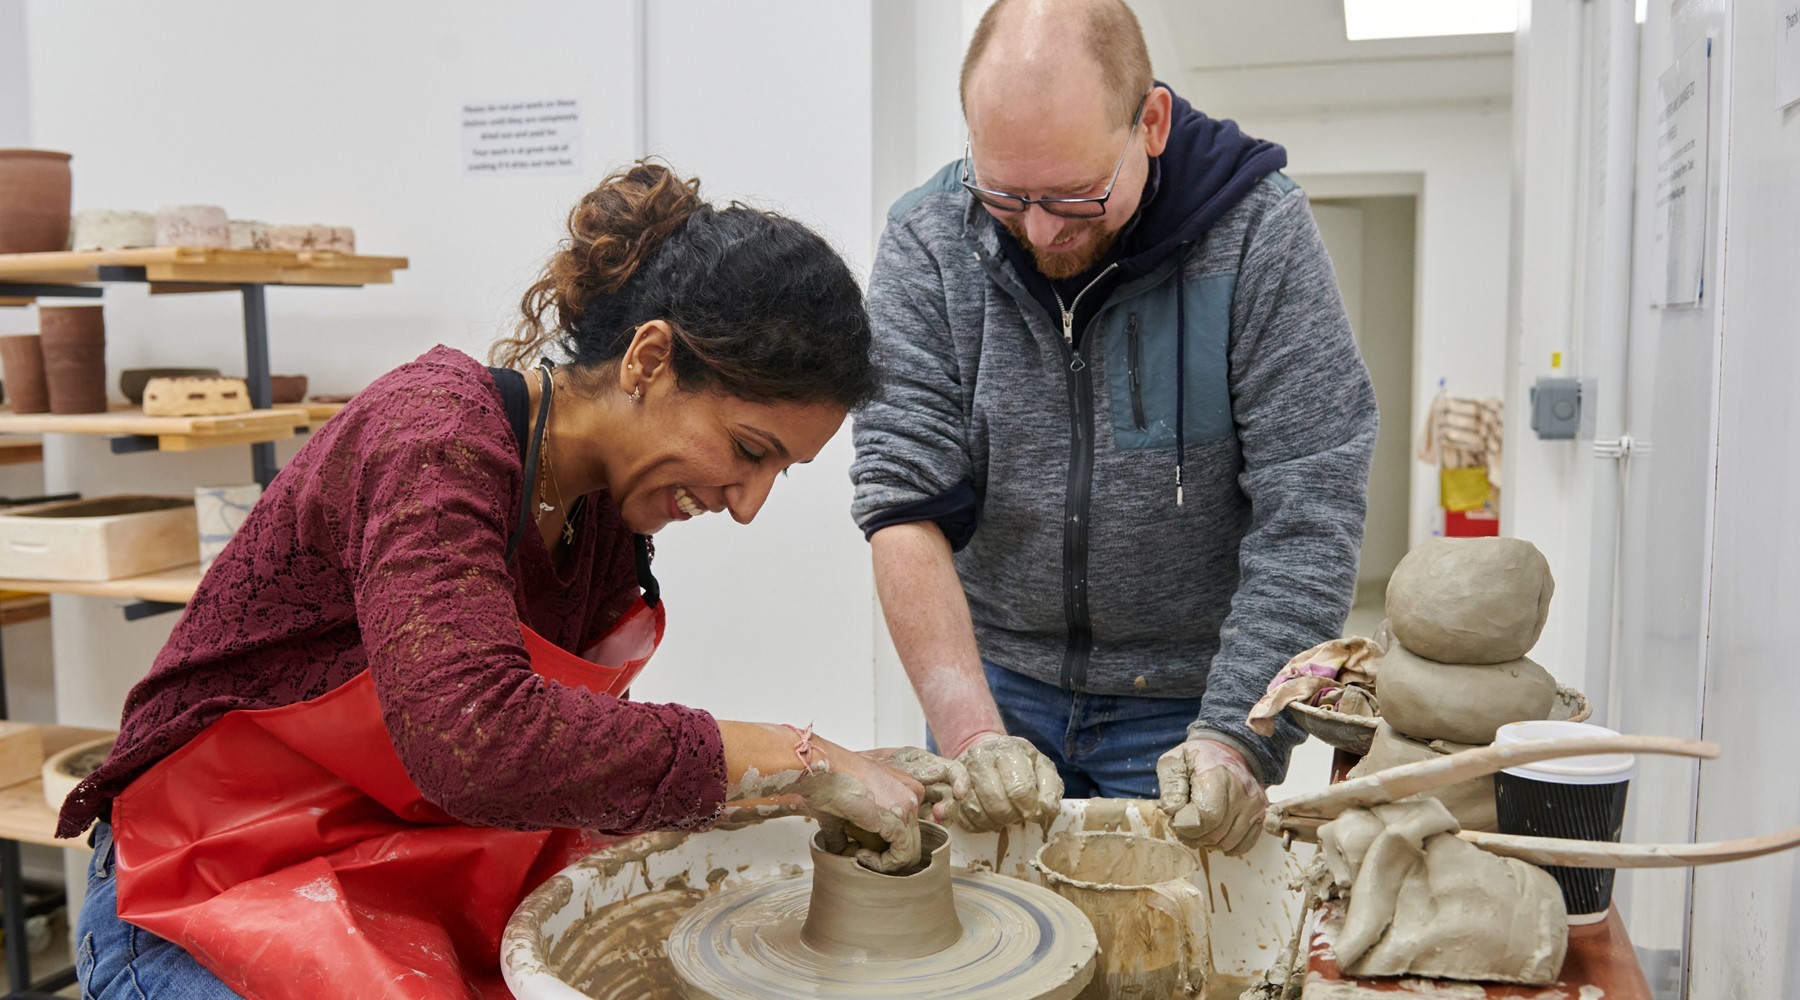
{"x": 15, "y": 110}
{"x": 1461, "y": 155}
{"x": 346, "y": 112}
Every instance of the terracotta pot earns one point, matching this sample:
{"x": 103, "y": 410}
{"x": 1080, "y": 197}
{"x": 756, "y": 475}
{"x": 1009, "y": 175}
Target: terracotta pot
{"x": 23, "y": 357}
{"x": 74, "y": 357}
{"x": 34, "y": 200}
{"x": 287, "y": 388}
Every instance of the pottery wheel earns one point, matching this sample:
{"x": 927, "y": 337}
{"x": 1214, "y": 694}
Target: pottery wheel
{"x": 1019, "y": 942}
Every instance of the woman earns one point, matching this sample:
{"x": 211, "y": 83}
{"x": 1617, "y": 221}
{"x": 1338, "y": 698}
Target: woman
{"x": 366, "y": 739}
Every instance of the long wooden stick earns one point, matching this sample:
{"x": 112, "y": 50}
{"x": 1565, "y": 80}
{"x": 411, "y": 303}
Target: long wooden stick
{"x": 1411, "y": 779}
{"x": 1598, "y": 854}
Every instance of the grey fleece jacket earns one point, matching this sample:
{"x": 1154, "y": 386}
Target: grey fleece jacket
{"x": 1083, "y": 571}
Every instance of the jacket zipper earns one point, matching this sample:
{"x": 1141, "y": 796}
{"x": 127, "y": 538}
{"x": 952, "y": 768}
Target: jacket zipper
{"x": 1134, "y": 372}
{"x": 1079, "y": 495}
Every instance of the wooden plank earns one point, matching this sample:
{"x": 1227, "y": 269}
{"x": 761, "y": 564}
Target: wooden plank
{"x": 21, "y": 451}
{"x": 15, "y": 301}
{"x": 175, "y": 586}
{"x": 203, "y": 265}
{"x": 19, "y": 610}
{"x": 24, "y": 815}
{"x": 197, "y": 442}
{"x": 316, "y": 413}
{"x": 134, "y": 421}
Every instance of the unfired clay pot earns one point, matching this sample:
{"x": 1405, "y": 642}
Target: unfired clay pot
{"x": 75, "y": 357}
{"x": 34, "y": 201}
{"x": 23, "y": 358}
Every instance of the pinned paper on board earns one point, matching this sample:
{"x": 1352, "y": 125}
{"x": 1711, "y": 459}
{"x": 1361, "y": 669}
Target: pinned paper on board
{"x": 1787, "y": 54}
{"x": 1681, "y": 153}
{"x": 521, "y": 137}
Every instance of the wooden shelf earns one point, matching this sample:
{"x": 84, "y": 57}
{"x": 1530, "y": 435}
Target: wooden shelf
{"x": 204, "y": 266}
{"x": 316, "y": 413}
{"x": 171, "y": 586}
{"x": 24, "y": 815}
{"x": 171, "y": 433}
{"x": 21, "y": 451}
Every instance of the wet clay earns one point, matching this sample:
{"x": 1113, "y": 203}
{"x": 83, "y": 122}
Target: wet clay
{"x": 1471, "y": 802}
{"x": 1149, "y": 916}
{"x": 1470, "y": 600}
{"x": 845, "y": 931}
{"x": 1465, "y": 703}
{"x": 1425, "y": 903}
{"x": 855, "y": 912}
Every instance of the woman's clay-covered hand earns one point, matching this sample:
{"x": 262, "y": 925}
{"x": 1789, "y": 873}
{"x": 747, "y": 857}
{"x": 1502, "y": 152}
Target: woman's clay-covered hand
{"x": 946, "y": 781}
{"x": 1211, "y": 798}
{"x": 851, "y": 790}
{"x": 1009, "y": 782}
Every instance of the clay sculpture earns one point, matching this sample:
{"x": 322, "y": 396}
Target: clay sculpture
{"x": 192, "y": 226}
{"x": 108, "y": 229}
{"x": 1465, "y": 703}
{"x": 1425, "y": 903}
{"x": 195, "y": 397}
{"x": 248, "y": 234}
{"x": 1471, "y": 802}
{"x": 1470, "y": 600}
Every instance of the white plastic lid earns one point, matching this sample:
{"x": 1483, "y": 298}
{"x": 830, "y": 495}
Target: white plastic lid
{"x": 1595, "y": 769}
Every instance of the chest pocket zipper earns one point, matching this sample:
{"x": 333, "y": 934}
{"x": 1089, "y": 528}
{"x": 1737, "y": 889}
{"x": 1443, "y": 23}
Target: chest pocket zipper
{"x": 1134, "y": 371}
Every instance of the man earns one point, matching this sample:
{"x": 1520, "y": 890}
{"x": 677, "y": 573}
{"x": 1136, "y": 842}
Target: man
{"x": 1145, "y": 525}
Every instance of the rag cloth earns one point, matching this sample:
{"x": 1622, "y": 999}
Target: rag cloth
{"x": 1339, "y": 674}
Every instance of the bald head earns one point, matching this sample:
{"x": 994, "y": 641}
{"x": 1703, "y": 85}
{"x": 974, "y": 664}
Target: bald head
{"x": 1068, "y": 57}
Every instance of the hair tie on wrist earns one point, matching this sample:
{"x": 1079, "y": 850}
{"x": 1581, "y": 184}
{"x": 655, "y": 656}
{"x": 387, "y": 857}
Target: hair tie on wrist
{"x": 803, "y": 748}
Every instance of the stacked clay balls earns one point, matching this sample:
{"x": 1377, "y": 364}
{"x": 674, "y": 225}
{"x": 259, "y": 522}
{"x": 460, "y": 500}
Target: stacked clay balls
{"x": 1463, "y": 612}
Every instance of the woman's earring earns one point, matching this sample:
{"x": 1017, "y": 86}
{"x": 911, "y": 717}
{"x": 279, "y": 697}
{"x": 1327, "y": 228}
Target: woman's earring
{"x": 636, "y": 394}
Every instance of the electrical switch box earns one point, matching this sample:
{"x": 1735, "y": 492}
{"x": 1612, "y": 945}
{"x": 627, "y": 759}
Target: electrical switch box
{"x": 1556, "y": 408}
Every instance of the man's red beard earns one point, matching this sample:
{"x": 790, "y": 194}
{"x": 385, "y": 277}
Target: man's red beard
{"x": 1060, "y": 266}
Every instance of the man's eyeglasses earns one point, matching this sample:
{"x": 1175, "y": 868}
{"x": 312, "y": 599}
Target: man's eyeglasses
{"x": 1071, "y": 208}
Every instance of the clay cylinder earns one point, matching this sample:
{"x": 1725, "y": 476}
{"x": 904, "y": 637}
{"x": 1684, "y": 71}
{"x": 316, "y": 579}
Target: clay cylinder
{"x": 74, "y": 357}
{"x": 23, "y": 358}
{"x": 1150, "y": 917}
{"x": 858, "y": 913}
{"x": 1463, "y": 703}
{"x": 1471, "y": 802}
{"x": 1470, "y": 600}
{"x": 34, "y": 201}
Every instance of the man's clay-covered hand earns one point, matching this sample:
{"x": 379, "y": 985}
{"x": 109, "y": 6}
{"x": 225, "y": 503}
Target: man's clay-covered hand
{"x": 1212, "y": 799}
{"x": 946, "y": 781}
{"x": 1009, "y": 782}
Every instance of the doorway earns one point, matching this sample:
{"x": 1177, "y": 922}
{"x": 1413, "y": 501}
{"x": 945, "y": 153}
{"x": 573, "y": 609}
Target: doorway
{"x": 1372, "y": 244}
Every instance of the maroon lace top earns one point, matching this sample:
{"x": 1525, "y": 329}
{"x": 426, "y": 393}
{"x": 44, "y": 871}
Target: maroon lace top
{"x": 381, "y": 546}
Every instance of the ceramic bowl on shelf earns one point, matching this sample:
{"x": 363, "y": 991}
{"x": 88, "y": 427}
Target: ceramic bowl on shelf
{"x": 287, "y": 389}
{"x": 133, "y": 380}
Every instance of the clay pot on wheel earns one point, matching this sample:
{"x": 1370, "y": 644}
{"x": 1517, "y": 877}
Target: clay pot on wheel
{"x": 75, "y": 357}
{"x": 34, "y": 201}
{"x": 23, "y": 358}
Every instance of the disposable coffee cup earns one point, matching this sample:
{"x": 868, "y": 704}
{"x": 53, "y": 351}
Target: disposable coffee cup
{"x": 1572, "y": 798}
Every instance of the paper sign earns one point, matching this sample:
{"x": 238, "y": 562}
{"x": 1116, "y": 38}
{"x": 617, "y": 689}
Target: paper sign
{"x": 1681, "y": 146}
{"x": 1787, "y": 54}
{"x": 522, "y": 137}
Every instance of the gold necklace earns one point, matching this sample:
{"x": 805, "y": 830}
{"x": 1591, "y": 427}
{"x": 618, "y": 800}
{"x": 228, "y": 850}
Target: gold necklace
{"x": 568, "y": 527}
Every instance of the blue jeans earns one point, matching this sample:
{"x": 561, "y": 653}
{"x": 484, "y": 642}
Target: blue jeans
{"x": 1104, "y": 746}
{"x": 117, "y": 961}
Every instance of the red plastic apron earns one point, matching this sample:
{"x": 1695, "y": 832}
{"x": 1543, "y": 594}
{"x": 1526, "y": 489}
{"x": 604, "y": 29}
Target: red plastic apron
{"x": 288, "y": 851}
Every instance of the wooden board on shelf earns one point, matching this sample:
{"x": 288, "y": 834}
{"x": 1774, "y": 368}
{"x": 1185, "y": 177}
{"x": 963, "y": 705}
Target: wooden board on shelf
{"x": 175, "y": 433}
{"x": 19, "y": 608}
{"x": 204, "y": 265}
{"x": 21, "y": 451}
{"x": 316, "y": 413}
{"x": 174, "y": 586}
{"x": 24, "y": 815}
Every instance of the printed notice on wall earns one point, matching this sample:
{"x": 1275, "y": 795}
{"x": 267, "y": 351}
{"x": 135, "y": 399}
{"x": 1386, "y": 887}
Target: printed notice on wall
{"x": 1787, "y": 54}
{"x": 522, "y": 137}
{"x": 1681, "y": 142}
